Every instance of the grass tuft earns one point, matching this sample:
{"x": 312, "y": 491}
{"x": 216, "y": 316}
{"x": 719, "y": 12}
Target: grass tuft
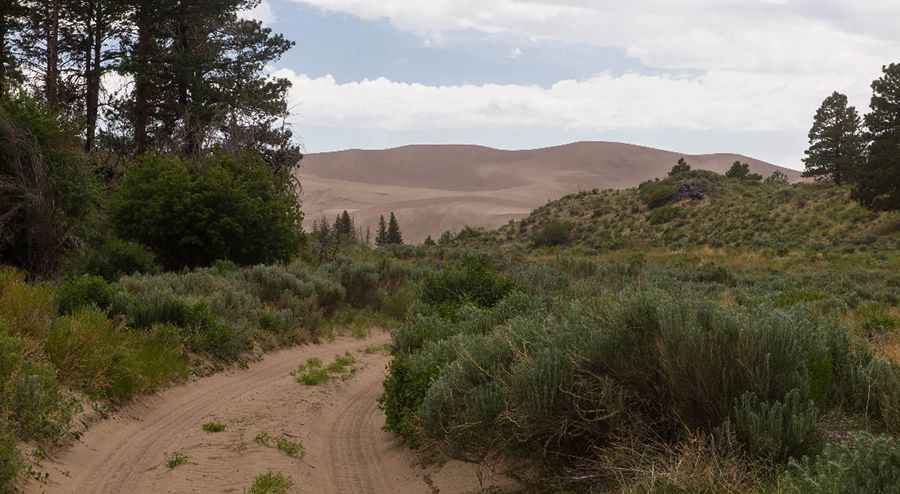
{"x": 270, "y": 483}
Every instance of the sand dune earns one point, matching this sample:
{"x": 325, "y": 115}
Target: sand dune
{"x": 445, "y": 187}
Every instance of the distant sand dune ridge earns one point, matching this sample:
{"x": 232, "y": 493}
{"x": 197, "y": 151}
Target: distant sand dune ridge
{"x": 434, "y": 188}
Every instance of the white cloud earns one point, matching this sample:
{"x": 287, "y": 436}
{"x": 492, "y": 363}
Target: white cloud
{"x": 809, "y": 36}
{"x": 718, "y": 100}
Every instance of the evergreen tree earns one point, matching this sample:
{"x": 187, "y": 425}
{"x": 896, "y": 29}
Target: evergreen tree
{"x": 836, "y": 143}
{"x": 429, "y": 242}
{"x": 741, "y": 171}
{"x": 11, "y": 22}
{"x": 394, "y": 237}
{"x": 343, "y": 228}
{"x": 381, "y": 236}
{"x": 200, "y": 81}
{"x": 681, "y": 167}
{"x": 877, "y": 184}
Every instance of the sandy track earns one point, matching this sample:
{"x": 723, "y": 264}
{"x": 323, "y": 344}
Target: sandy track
{"x": 340, "y": 425}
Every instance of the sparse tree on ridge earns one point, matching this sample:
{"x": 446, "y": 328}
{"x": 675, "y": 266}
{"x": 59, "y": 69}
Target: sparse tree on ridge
{"x": 741, "y": 171}
{"x": 877, "y": 183}
{"x": 394, "y": 237}
{"x": 681, "y": 167}
{"x": 836, "y": 141}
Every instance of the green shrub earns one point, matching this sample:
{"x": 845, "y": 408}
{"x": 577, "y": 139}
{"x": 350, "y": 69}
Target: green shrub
{"x": 657, "y": 194}
{"x": 10, "y": 461}
{"x": 30, "y": 396}
{"x": 106, "y": 360}
{"x": 662, "y": 215}
{"x": 175, "y": 460}
{"x": 774, "y": 431}
{"x": 213, "y": 427}
{"x": 864, "y": 463}
{"x": 84, "y": 291}
{"x": 115, "y": 258}
{"x": 553, "y": 233}
{"x": 471, "y": 281}
{"x": 28, "y": 309}
{"x": 270, "y": 483}
{"x": 39, "y": 409}
{"x": 223, "y": 208}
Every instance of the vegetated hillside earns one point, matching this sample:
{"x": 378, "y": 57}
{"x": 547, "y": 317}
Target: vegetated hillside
{"x": 438, "y": 188}
{"x": 706, "y": 209}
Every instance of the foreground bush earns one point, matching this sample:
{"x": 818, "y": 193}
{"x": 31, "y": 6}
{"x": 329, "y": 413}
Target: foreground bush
{"x": 109, "y": 361}
{"x": 864, "y": 463}
{"x": 222, "y": 208}
{"x": 571, "y": 377}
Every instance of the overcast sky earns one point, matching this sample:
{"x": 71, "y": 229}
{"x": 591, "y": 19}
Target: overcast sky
{"x": 695, "y": 76}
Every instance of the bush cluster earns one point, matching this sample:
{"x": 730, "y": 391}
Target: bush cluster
{"x": 584, "y": 356}
{"x": 221, "y": 208}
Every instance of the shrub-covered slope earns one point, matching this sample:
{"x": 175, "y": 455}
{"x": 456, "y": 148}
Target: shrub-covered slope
{"x": 701, "y": 208}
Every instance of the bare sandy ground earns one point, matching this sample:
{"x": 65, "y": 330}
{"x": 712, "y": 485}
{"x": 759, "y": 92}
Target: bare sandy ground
{"x": 339, "y": 423}
{"x": 437, "y": 188}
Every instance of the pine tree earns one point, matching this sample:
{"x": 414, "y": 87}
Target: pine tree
{"x": 381, "y": 236}
{"x": 344, "y": 230}
{"x": 836, "y": 143}
{"x": 394, "y": 237}
{"x": 681, "y": 167}
{"x": 429, "y": 242}
{"x": 11, "y": 22}
{"x": 200, "y": 81}
{"x": 877, "y": 184}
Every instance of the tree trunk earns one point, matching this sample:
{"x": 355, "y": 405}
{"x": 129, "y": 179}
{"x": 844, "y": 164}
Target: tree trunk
{"x": 51, "y": 88}
{"x": 93, "y": 72}
{"x": 141, "y": 76}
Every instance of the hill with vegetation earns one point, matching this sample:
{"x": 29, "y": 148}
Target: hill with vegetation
{"x": 701, "y": 208}
{"x": 435, "y": 188}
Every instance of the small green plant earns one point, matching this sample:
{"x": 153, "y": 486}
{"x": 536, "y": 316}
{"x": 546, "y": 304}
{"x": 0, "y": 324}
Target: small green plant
{"x": 283, "y": 443}
{"x": 314, "y": 372}
{"x": 342, "y": 364}
{"x": 373, "y": 349}
{"x": 270, "y": 483}
{"x": 175, "y": 460}
{"x": 213, "y": 427}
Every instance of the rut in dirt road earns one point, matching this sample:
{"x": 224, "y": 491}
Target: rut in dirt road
{"x": 339, "y": 424}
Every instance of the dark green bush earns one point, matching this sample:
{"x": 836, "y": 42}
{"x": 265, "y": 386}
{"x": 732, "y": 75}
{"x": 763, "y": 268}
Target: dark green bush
{"x": 863, "y": 464}
{"x": 115, "y": 258}
{"x": 223, "y": 208}
{"x": 657, "y": 194}
{"x": 84, "y": 291}
{"x": 662, "y": 215}
{"x": 553, "y": 233}
{"x": 471, "y": 281}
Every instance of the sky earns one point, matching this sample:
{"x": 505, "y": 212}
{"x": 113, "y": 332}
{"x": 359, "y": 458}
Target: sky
{"x": 692, "y": 76}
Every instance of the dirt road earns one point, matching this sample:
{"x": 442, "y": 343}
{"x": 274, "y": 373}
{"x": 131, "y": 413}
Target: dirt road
{"x": 339, "y": 425}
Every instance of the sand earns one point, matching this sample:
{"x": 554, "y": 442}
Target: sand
{"x": 339, "y": 424}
